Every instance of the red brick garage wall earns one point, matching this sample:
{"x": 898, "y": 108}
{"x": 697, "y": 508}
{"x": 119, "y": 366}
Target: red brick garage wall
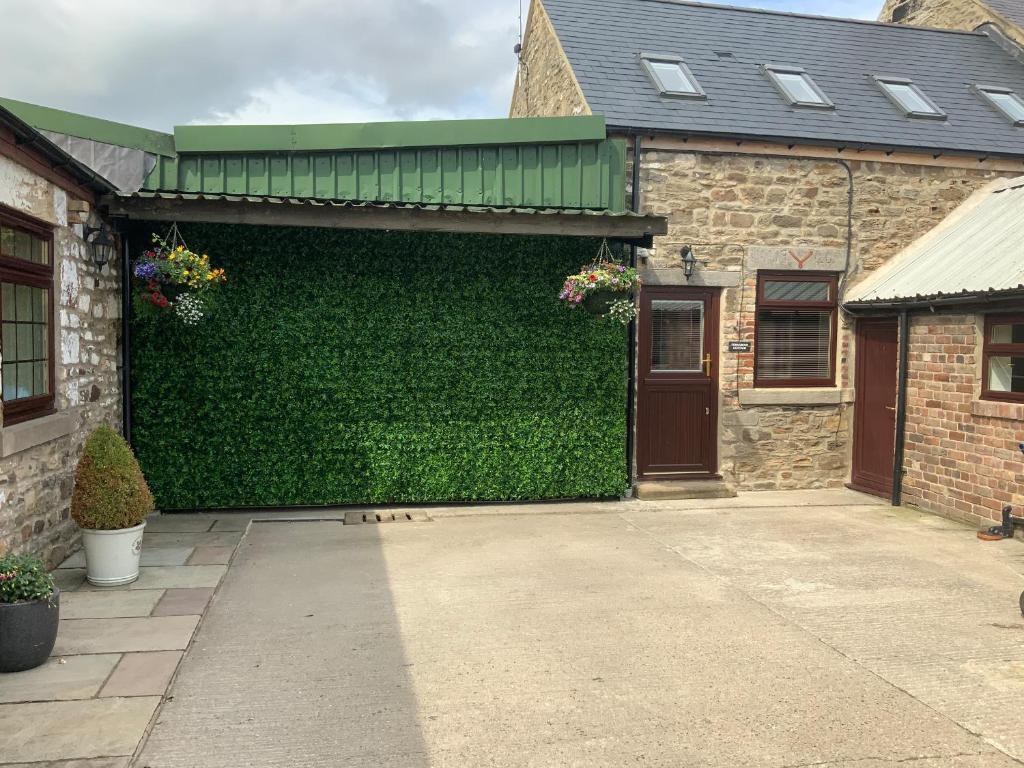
{"x": 961, "y": 459}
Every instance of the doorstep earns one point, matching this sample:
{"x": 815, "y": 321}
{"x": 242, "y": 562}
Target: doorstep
{"x": 654, "y": 490}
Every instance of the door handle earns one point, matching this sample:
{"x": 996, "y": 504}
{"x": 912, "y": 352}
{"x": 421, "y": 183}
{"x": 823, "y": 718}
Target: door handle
{"x": 890, "y": 407}
{"x": 707, "y": 365}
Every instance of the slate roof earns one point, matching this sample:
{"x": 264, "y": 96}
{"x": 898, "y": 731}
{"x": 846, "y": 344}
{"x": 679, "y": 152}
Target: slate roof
{"x": 974, "y": 252}
{"x": 726, "y": 46}
{"x": 1013, "y": 10}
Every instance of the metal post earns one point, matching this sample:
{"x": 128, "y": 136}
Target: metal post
{"x": 631, "y": 352}
{"x": 126, "y": 345}
{"x": 901, "y": 409}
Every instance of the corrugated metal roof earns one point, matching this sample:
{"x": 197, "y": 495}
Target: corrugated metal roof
{"x": 93, "y": 128}
{"x": 976, "y": 250}
{"x": 31, "y": 137}
{"x": 726, "y": 47}
{"x": 579, "y": 174}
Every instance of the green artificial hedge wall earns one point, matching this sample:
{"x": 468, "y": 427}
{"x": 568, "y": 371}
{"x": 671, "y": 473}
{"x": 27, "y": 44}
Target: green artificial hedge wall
{"x": 360, "y": 367}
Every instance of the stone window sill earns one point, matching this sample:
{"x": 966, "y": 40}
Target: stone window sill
{"x": 796, "y": 396}
{"x": 995, "y": 409}
{"x": 29, "y": 434}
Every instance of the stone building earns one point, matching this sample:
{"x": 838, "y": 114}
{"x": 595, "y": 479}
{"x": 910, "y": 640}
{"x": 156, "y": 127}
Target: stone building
{"x": 1003, "y": 17}
{"x": 793, "y": 156}
{"x": 60, "y": 322}
{"x": 964, "y": 367}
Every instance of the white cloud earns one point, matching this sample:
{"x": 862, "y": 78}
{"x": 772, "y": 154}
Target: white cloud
{"x": 156, "y": 63}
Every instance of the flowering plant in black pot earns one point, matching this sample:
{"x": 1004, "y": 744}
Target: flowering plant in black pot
{"x": 29, "y": 613}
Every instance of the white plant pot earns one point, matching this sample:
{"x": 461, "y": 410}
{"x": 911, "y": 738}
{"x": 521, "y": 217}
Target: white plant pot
{"x": 112, "y": 557}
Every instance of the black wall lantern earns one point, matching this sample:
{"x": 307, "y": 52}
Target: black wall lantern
{"x": 689, "y": 261}
{"x": 101, "y": 243}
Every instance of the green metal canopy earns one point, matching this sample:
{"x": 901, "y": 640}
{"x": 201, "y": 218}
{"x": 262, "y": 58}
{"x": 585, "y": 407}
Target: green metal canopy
{"x": 546, "y": 162}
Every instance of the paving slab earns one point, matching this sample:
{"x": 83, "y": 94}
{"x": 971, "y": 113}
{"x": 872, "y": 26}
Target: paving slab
{"x": 184, "y": 602}
{"x": 212, "y": 539}
{"x": 73, "y": 730}
{"x": 179, "y": 523}
{"x": 167, "y": 577}
{"x": 236, "y": 522}
{"x": 211, "y": 556}
{"x": 558, "y": 640}
{"x": 69, "y": 579}
{"x": 109, "y": 604}
{"x": 142, "y": 674}
{"x": 151, "y": 555}
{"x": 155, "y": 633}
{"x": 59, "y": 679}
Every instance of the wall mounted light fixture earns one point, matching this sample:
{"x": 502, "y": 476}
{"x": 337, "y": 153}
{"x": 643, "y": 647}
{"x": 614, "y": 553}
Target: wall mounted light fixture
{"x": 101, "y": 243}
{"x": 689, "y": 261}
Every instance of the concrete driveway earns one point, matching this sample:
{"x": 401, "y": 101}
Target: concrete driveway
{"x": 781, "y": 630}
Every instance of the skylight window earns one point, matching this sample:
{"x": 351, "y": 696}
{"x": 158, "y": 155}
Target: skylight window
{"x": 909, "y": 98}
{"x": 671, "y": 76}
{"x": 1008, "y": 103}
{"x": 797, "y": 87}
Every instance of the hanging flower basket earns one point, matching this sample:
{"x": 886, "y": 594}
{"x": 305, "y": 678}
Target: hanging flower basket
{"x": 604, "y": 288}
{"x": 171, "y": 279}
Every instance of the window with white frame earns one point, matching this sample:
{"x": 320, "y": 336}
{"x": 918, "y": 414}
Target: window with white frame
{"x": 797, "y": 87}
{"x": 909, "y": 98}
{"x": 1003, "y": 100}
{"x": 671, "y": 76}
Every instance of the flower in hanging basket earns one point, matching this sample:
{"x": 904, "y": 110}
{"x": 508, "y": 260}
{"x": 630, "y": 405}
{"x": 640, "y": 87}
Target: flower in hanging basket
{"x": 604, "y": 289}
{"x": 176, "y": 280}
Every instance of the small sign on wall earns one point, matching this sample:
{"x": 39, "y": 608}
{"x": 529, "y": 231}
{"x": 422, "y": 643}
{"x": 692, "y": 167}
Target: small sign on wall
{"x": 795, "y": 258}
{"x": 739, "y": 346}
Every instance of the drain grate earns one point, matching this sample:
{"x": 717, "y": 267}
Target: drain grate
{"x": 358, "y": 518}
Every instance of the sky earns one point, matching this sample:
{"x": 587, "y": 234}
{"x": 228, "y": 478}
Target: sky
{"x": 158, "y": 64}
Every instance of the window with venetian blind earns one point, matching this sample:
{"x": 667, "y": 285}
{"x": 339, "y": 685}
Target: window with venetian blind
{"x": 1003, "y": 352}
{"x": 26, "y": 317}
{"x": 796, "y": 330}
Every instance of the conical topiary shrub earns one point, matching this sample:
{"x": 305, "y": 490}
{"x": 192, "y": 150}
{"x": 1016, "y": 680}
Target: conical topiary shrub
{"x": 110, "y": 491}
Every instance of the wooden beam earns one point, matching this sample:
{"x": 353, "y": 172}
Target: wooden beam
{"x": 267, "y": 213}
{"x": 815, "y": 152}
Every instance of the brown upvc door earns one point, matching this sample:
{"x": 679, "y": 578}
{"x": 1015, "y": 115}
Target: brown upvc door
{"x": 677, "y": 376}
{"x": 874, "y": 419}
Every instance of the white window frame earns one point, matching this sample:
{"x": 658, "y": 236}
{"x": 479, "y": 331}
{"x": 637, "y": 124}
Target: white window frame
{"x": 773, "y": 70}
{"x": 647, "y": 58}
{"x": 985, "y": 91}
{"x": 883, "y": 82}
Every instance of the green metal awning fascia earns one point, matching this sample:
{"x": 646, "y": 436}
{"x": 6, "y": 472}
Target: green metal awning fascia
{"x": 394, "y": 135}
{"x": 306, "y": 212}
{"x": 92, "y": 128}
{"x": 575, "y": 174}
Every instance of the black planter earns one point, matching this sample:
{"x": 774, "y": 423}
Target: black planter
{"x": 599, "y": 302}
{"x": 28, "y": 632}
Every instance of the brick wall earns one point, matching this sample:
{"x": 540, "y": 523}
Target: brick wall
{"x": 961, "y": 452}
{"x": 545, "y": 85}
{"x": 38, "y": 457}
{"x": 948, "y": 14}
{"x": 730, "y": 208}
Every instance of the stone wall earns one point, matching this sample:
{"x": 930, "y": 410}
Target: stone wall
{"x": 742, "y": 213}
{"x": 545, "y": 85}
{"x": 38, "y": 457}
{"x": 961, "y": 456}
{"x": 948, "y": 14}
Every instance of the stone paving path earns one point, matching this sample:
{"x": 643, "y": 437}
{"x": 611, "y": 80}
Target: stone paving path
{"x": 778, "y": 629}
{"x": 117, "y": 649}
